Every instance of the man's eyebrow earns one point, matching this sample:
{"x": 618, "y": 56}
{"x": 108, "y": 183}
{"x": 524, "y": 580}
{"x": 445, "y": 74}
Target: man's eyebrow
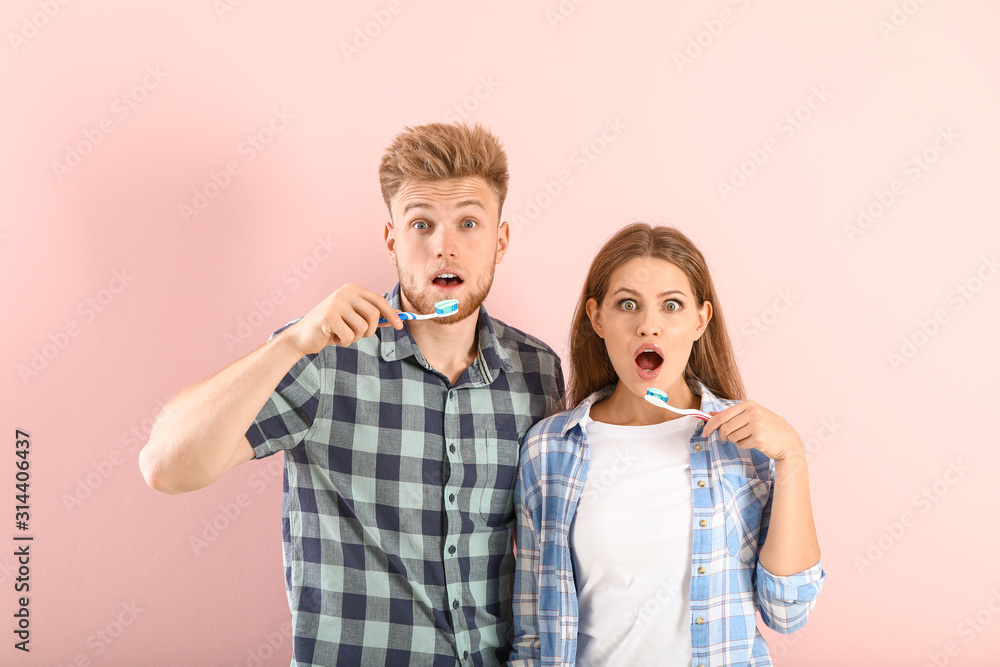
{"x": 629, "y": 290}
{"x": 461, "y": 204}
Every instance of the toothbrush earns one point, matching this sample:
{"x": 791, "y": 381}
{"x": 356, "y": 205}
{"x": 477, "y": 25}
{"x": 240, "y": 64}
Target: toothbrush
{"x": 659, "y": 398}
{"x": 441, "y": 309}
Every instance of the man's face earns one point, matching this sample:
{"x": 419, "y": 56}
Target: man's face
{"x": 445, "y": 240}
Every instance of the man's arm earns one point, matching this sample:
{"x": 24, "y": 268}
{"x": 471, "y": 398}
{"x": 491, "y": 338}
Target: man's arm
{"x": 201, "y": 433}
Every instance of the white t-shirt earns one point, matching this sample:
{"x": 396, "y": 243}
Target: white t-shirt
{"x": 631, "y": 545}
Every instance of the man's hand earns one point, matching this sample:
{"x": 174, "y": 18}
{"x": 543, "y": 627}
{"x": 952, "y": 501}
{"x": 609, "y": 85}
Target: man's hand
{"x": 346, "y": 316}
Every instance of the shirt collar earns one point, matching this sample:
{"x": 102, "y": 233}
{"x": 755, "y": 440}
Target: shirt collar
{"x": 709, "y": 403}
{"x": 399, "y": 344}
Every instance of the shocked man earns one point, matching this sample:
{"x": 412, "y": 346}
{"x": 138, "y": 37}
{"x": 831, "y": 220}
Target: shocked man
{"x": 401, "y": 442}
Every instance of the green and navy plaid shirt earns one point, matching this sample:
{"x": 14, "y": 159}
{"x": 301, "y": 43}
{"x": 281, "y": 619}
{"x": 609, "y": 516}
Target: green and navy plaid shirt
{"x": 397, "y": 511}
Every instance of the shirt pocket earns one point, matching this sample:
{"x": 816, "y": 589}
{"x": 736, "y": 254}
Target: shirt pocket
{"x": 496, "y": 462}
{"x": 743, "y": 502}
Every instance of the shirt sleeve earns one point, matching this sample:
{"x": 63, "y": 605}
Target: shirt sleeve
{"x": 290, "y": 411}
{"x": 784, "y": 602}
{"x": 527, "y": 568}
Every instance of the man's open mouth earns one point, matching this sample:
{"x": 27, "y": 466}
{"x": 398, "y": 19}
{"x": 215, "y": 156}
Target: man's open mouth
{"x": 648, "y": 357}
{"x": 447, "y": 279}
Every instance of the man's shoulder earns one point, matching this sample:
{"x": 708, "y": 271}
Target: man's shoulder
{"x": 517, "y": 341}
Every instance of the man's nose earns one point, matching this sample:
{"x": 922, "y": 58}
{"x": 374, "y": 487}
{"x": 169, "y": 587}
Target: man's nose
{"x": 445, "y": 242}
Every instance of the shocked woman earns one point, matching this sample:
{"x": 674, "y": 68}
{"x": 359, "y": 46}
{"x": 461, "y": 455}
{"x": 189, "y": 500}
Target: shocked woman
{"x": 645, "y": 536}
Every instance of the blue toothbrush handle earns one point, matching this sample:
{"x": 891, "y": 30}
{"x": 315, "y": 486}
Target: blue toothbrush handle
{"x": 402, "y": 316}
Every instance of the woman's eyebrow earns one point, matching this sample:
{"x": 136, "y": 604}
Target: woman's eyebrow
{"x": 629, "y": 290}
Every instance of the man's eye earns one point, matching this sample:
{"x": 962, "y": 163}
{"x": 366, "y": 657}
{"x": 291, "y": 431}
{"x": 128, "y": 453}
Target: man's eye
{"x": 676, "y": 305}
{"x": 627, "y": 304}
{"x": 420, "y": 224}
{"x": 469, "y": 224}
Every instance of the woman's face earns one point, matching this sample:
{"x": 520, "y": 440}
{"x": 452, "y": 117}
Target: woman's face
{"x": 649, "y": 321}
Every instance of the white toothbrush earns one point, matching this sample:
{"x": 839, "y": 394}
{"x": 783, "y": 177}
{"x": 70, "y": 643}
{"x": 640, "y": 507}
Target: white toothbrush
{"x": 659, "y": 397}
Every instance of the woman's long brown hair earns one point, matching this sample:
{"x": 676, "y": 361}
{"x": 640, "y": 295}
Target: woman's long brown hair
{"x": 712, "y": 360}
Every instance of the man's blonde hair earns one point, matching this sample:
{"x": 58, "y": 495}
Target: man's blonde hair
{"x": 437, "y": 151}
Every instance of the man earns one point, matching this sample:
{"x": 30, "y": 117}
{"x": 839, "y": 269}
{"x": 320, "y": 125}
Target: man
{"x": 401, "y": 442}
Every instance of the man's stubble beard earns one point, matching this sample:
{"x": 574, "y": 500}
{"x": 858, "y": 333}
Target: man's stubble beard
{"x": 423, "y": 303}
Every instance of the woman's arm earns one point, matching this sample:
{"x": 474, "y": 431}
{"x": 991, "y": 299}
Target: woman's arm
{"x": 791, "y": 545}
{"x": 527, "y": 568}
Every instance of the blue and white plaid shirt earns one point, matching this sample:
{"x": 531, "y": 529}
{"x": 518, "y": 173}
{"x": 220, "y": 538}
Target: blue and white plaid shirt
{"x": 397, "y": 511}
{"x": 731, "y": 492}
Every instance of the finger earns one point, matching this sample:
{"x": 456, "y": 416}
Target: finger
{"x": 382, "y": 307}
{"x": 742, "y": 433}
{"x": 357, "y": 323}
{"x": 735, "y": 423}
{"x": 720, "y": 418}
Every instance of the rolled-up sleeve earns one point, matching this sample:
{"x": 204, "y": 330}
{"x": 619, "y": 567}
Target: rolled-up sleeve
{"x": 785, "y": 602}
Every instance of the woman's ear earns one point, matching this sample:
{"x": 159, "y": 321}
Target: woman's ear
{"x": 594, "y": 313}
{"x": 704, "y": 317}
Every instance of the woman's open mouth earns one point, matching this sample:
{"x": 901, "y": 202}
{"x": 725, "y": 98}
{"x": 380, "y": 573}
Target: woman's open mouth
{"x": 648, "y": 359}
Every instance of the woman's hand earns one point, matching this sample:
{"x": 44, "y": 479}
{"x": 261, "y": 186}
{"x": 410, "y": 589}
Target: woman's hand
{"x": 752, "y": 426}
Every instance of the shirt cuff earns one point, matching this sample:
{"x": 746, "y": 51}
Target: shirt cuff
{"x": 801, "y": 587}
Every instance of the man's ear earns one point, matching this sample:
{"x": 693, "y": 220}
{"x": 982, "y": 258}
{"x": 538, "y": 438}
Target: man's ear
{"x": 390, "y": 241}
{"x": 594, "y": 313}
{"x": 503, "y": 240}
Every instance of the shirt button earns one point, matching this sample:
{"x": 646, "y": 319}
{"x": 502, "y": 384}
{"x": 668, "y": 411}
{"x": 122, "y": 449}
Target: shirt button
{"x": 466, "y": 655}
{"x": 452, "y": 549}
{"x": 701, "y": 483}
{"x": 702, "y": 523}
{"x": 454, "y": 605}
{"x": 451, "y": 498}
{"x": 451, "y": 449}
{"x": 699, "y": 620}
{"x": 697, "y": 448}
{"x": 701, "y": 570}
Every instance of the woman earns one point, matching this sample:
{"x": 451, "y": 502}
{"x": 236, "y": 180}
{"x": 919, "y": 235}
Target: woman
{"x": 641, "y": 532}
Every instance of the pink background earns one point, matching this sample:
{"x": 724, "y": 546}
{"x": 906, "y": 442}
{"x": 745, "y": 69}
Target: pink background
{"x": 815, "y": 308}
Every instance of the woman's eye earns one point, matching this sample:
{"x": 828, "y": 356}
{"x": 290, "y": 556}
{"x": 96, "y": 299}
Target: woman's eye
{"x": 627, "y": 304}
{"x": 420, "y": 224}
{"x": 672, "y": 305}
{"x": 469, "y": 224}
